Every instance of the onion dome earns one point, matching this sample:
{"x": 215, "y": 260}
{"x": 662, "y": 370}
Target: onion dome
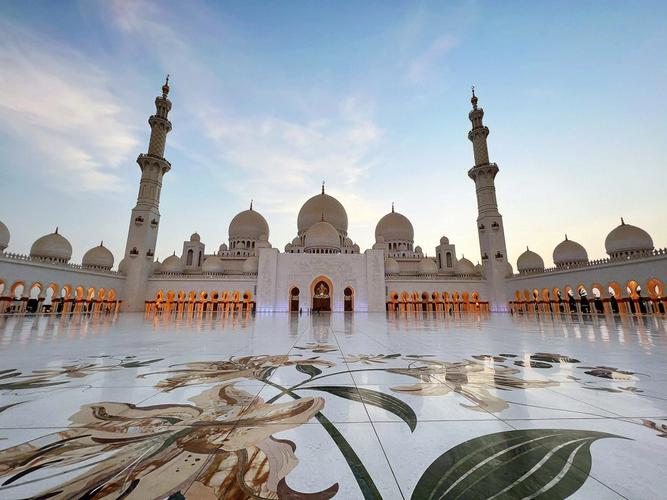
{"x": 626, "y": 239}
{"x": 251, "y": 265}
{"x": 322, "y": 206}
{"x": 194, "y": 237}
{"x": 53, "y": 247}
{"x": 444, "y": 240}
{"x": 569, "y": 252}
{"x": 529, "y": 262}
{"x": 122, "y": 266}
{"x": 213, "y": 265}
{"x": 4, "y": 236}
{"x": 464, "y": 266}
{"x": 248, "y": 224}
{"x": 391, "y": 266}
{"x": 510, "y": 271}
{"x": 418, "y": 249}
{"x": 322, "y": 236}
{"x": 394, "y": 227}
{"x": 427, "y": 266}
{"x": 172, "y": 264}
{"x": 99, "y": 257}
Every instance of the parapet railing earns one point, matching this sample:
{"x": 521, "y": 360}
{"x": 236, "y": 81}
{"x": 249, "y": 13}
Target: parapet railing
{"x": 52, "y": 262}
{"x": 596, "y": 262}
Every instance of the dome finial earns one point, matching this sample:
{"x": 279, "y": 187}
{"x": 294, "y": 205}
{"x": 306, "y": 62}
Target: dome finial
{"x": 392, "y": 207}
{"x": 323, "y": 187}
{"x": 622, "y": 222}
{"x": 527, "y": 249}
{"x": 165, "y": 87}
{"x": 56, "y": 232}
{"x": 565, "y": 236}
{"x": 473, "y": 100}
{"x": 251, "y": 204}
{"x": 101, "y": 243}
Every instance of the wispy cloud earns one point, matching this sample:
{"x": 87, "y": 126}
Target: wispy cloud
{"x": 58, "y": 105}
{"x": 423, "y": 65}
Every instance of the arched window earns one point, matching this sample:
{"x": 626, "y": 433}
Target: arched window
{"x": 439, "y": 261}
{"x": 199, "y": 259}
{"x": 449, "y": 259}
{"x": 188, "y": 261}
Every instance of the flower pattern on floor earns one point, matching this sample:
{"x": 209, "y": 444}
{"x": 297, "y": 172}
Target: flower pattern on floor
{"x": 221, "y": 443}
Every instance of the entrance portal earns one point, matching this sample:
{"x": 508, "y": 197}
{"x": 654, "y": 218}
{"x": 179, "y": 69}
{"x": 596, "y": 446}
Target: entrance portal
{"x": 348, "y": 295}
{"x": 321, "y": 296}
{"x": 294, "y": 300}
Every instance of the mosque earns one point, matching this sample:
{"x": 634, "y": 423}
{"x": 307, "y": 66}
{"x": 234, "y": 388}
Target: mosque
{"x": 322, "y": 269}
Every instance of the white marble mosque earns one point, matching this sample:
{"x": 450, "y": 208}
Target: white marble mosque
{"x": 322, "y": 268}
{"x": 142, "y": 379}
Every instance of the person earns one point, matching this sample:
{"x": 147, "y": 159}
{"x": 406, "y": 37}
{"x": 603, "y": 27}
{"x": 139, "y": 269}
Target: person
{"x": 300, "y": 311}
{"x": 583, "y": 296}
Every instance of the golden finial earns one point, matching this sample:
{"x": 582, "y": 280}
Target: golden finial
{"x": 165, "y": 87}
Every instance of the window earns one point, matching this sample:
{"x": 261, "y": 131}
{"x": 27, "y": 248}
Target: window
{"x": 188, "y": 262}
{"x": 449, "y": 259}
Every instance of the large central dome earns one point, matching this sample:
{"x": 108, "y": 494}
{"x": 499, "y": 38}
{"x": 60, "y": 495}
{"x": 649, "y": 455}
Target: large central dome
{"x": 322, "y": 207}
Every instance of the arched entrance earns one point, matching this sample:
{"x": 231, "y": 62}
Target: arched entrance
{"x": 321, "y": 290}
{"x": 294, "y": 299}
{"x": 348, "y": 297}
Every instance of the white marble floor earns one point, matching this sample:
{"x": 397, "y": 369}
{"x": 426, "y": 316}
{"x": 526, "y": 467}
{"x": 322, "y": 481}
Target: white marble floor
{"x": 344, "y": 406}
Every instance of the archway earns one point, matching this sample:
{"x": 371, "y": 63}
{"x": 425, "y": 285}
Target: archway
{"x": 294, "y": 299}
{"x": 321, "y": 290}
{"x": 348, "y": 296}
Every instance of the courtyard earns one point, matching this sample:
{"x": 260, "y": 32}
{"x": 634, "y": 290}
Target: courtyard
{"x": 337, "y": 405}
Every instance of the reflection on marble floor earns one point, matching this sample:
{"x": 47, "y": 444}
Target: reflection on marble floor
{"x": 345, "y": 406}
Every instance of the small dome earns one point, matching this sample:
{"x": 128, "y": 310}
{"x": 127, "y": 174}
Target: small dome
{"x": 213, "y": 265}
{"x": 52, "y": 247}
{"x": 529, "y": 261}
{"x": 122, "y": 266}
{"x": 464, "y": 266}
{"x": 194, "y": 237}
{"x": 510, "y": 271}
{"x": 223, "y": 248}
{"x": 347, "y": 242}
{"x": 157, "y": 266}
{"x": 248, "y": 224}
{"x": 627, "y": 239}
{"x": 263, "y": 244}
{"x": 323, "y": 236}
{"x": 569, "y": 252}
{"x": 444, "y": 240}
{"x": 479, "y": 269}
{"x": 98, "y": 257}
{"x": 172, "y": 264}
{"x": 418, "y": 249}
{"x": 394, "y": 227}
{"x": 391, "y": 266}
{"x": 356, "y": 248}
{"x": 4, "y": 236}
{"x": 322, "y": 206}
{"x": 427, "y": 266}
{"x": 251, "y": 265}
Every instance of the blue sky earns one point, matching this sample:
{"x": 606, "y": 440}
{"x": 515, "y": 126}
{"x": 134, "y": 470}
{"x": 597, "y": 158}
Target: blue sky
{"x": 269, "y": 98}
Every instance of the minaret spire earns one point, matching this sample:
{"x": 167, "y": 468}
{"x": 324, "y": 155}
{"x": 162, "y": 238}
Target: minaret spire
{"x": 489, "y": 221}
{"x": 145, "y": 219}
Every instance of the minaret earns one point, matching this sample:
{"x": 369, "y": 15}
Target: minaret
{"x": 145, "y": 220}
{"x": 489, "y": 221}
